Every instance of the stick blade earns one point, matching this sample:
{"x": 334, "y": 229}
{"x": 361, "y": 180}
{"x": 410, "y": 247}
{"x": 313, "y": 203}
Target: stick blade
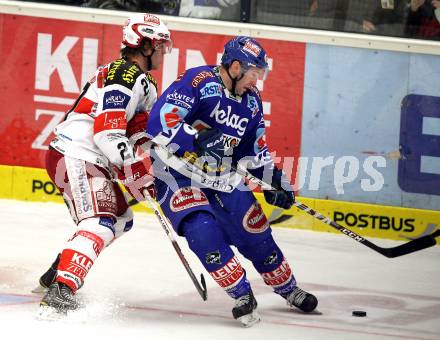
{"x": 412, "y": 246}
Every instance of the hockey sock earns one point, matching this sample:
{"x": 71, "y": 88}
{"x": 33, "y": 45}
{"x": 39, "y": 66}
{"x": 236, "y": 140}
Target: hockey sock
{"x": 280, "y": 279}
{"x": 232, "y": 278}
{"x": 205, "y": 238}
{"x": 81, "y": 252}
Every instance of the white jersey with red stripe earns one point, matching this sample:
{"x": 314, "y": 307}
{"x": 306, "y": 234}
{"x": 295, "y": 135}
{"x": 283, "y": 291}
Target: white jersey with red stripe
{"x": 94, "y": 129}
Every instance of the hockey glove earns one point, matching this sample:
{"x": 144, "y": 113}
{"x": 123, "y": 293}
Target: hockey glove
{"x": 136, "y": 179}
{"x": 136, "y": 129}
{"x": 209, "y": 144}
{"x": 283, "y": 196}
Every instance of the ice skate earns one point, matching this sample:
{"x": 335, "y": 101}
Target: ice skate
{"x": 302, "y": 300}
{"x": 245, "y": 310}
{"x": 58, "y": 300}
{"x": 47, "y": 278}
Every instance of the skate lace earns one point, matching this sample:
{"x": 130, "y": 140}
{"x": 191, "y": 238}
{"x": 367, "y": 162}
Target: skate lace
{"x": 243, "y": 300}
{"x": 297, "y": 297}
{"x": 66, "y": 293}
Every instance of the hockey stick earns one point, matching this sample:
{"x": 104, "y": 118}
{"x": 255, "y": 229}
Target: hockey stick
{"x": 201, "y": 288}
{"x": 403, "y": 249}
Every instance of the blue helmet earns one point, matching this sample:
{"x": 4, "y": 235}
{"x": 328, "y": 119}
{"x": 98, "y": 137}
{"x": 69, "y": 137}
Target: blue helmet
{"x": 247, "y": 51}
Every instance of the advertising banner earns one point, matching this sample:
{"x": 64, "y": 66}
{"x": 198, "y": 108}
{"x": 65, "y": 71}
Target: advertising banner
{"x": 45, "y": 63}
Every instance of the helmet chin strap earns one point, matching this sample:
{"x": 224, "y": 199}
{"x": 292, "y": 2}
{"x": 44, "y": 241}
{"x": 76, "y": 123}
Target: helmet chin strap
{"x": 234, "y": 81}
{"x": 148, "y": 58}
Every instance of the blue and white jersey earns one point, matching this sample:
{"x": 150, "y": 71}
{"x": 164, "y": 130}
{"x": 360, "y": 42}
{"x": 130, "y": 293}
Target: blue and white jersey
{"x": 197, "y": 100}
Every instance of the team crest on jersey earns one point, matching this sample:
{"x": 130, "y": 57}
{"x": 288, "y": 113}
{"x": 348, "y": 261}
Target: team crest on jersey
{"x": 200, "y": 77}
{"x": 271, "y": 259}
{"x": 186, "y": 198}
{"x": 211, "y": 89}
{"x": 252, "y": 105}
{"x": 213, "y": 257}
{"x": 255, "y": 221}
{"x": 252, "y": 48}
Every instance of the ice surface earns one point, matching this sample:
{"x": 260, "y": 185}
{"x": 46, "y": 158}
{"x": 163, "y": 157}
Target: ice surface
{"x": 138, "y": 288}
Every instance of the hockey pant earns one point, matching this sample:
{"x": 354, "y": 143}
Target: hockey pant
{"x": 97, "y": 206}
{"x": 213, "y": 221}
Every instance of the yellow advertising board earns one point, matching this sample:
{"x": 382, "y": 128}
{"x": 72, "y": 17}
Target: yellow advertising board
{"x": 397, "y": 223}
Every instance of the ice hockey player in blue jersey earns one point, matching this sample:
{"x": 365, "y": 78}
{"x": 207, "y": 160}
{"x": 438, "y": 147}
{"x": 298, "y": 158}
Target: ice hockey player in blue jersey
{"x": 216, "y": 114}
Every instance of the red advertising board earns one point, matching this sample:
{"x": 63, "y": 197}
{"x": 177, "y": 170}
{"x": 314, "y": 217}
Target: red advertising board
{"x": 45, "y": 63}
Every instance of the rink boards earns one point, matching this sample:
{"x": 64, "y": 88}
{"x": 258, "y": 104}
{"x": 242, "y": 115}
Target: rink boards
{"x": 352, "y": 118}
{"x": 33, "y": 184}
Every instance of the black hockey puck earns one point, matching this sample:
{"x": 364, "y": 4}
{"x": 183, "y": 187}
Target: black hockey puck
{"x": 359, "y": 313}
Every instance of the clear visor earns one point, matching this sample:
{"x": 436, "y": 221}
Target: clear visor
{"x": 164, "y": 46}
{"x": 256, "y": 72}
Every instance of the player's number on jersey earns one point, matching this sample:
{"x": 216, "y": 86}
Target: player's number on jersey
{"x": 122, "y": 147}
{"x": 144, "y": 82}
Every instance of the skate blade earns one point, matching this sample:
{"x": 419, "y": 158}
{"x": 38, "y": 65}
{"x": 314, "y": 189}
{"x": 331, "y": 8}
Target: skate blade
{"x": 40, "y": 290}
{"x": 249, "y": 320}
{"x": 47, "y": 313}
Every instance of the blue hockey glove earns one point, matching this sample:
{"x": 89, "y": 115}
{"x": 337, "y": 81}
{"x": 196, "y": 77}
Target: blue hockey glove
{"x": 281, "y": 197}
{"x": 209, "y": 143}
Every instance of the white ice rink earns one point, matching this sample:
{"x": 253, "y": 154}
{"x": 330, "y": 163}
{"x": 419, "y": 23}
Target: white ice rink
{"x": 138, "y": 289}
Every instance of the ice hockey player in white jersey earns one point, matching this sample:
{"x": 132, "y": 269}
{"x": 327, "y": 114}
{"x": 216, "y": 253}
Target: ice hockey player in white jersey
{"x": 95, "y": 145}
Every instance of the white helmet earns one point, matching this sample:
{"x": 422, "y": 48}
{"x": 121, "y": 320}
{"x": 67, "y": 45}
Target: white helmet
{"x": 140, "y": 26}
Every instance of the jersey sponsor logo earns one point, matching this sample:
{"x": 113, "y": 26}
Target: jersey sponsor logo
{"x": 252, "y": 105}
{"x": 81, "y": 190}
{"x": 375, "y": 221}
{"x": 252, "y": 48}
{"x": 230, "y": 141}
{"x": 129, "y": 74}
{"x": 200, "y": 77}
{"x": 115, "y": 99}
{"x": 113, "y": 68}
{"x": 232, "y": 120}
{"x": 186, "y": 198}
{"x": 180, "y": 76}
{"x": 180, "y": 99}
{"x": 112, "y": 120}
{"x": 211, "y": 89}
{"x": 260, "y": 140}
{"x": 255, "y": 221}
{"x": 122, "y": 73}
{"x": 279, "y": 276}
{"x": 105, "y": 196}
{"x": 171, "y": 115}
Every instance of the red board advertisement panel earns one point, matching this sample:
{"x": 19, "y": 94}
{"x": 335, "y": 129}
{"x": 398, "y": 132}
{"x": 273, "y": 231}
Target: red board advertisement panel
{"x": 45, "y": 63}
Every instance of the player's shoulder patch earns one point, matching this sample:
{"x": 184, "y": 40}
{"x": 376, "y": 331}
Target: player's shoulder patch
{"x": 123, "y": 72}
